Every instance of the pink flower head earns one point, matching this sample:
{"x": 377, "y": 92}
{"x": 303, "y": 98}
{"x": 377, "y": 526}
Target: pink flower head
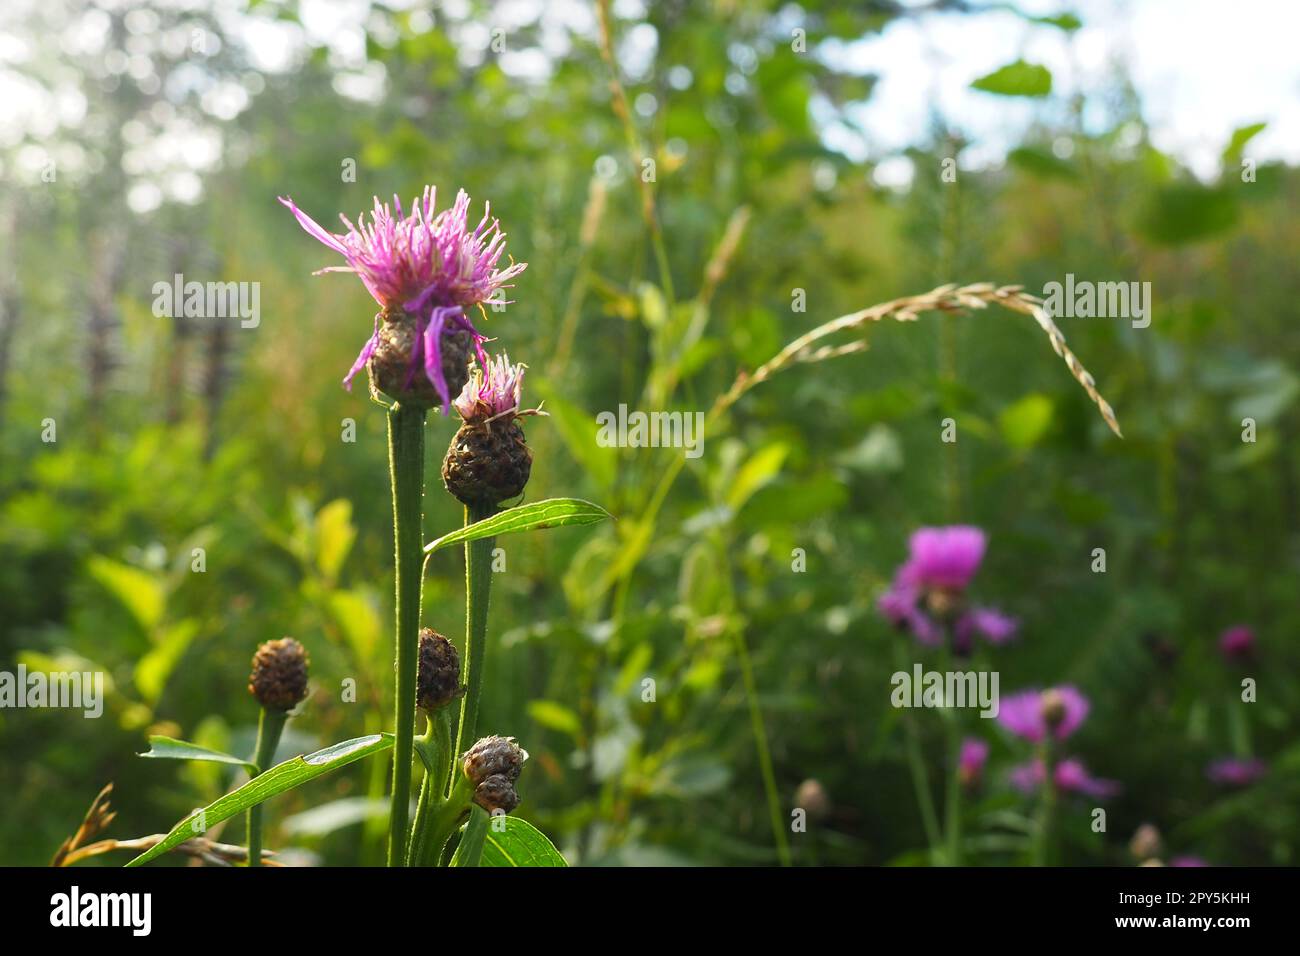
{"x": 1188, "y": 861}
{"x": 425, "y": 264}
{"x": 899, "y": 605}
{"x": 1236, "y": 771}
{"x": 492, "y": 393}
{"x": 1023, "y": 713}
{"x": 1070, "y": 776}
{"x": 1237, "y": 643}
{"x": 970, "y": 762}
{"x": 943, "y": 558}
{"x": 994, "y": 626}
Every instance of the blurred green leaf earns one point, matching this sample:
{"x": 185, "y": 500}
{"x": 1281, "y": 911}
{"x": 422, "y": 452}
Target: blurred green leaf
{"x": 1017, "y": 79}
{"x": 1187, "y": 212}
{"x": 1024, "y": 423}
{"x": 335, "y": 534}
{"x": 155, "y": 667}
{"x": 1240, "y": 137}
{"x": 578, "y": 429}
{"x": 555, "y": 716}
{"x": 278, "y": 779}
{"x": 551, "y": 513}
{"x": 761, "y": 468}
{"x": 140, "y": 592}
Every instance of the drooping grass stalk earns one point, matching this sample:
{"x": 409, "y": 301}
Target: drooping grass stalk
{"x": 406, "y": 469}
{"x": 478, "y": 585}
{"x": 269, "y": 727}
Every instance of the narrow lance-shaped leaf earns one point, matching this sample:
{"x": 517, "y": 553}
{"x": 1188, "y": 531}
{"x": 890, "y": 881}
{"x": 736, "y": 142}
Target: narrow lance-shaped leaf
{"x": 551, "y": 513}
{"x": 166, "y": 748}
{"x": 277, "y": 780}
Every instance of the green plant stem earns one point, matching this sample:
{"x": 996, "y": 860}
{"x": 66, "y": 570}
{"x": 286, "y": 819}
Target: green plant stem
{"x": 916, "y": 764}
{"x": 406, "y": 468}
{"x": 434, "y": 748}
{"x": 444, "y": 818}
{"x": 1042, "y": 855}
{"x": 478, "y": 586}
{"x": 269, "y": 727}
{"x": 764, "y": 753}
{"x": 952, "y": 732}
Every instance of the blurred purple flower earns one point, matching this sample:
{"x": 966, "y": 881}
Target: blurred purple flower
{"x": 932, "y": 583}
{"x": 1188, "y": 861}
{"x": 1237, "y": 643}
{"x": 970, "y": 762}
{"x": 1071, "y": 776}
{"x": 1023, "y": 713}
{"x": 1236, "y": 771}
{"x": 943, "y": 558}
{"x": 428, "y": 265}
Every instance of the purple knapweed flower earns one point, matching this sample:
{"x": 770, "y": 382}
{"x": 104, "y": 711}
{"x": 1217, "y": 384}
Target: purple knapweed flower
{"x": 971, "y": 759}
{"x": 930, "y": 586}
{"x": 429, "y": 266}
{"x": 1236, "y": 771}
{"x": 492, "y": 393}
{"x": 1237, "y": 643}
{"x": 1031, "y": 713}
{"x": 1070, "y": 776}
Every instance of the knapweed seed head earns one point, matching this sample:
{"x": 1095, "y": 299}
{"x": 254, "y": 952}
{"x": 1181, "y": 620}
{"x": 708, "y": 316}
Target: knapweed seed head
{"x": 488, "y": 460}
{"x": 496, "y": 792}
{"x": 494, "y": 755}
{"x": 279, "y": 677}
{"x": 426, "y": 270}
{"x": 437, "y": 682}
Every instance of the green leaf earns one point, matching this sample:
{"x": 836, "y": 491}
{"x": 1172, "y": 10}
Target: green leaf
{"x": 140, "y": 592}
{"x": 167, "y": 748}
{"x": 579, "y": 430}
{"x": 1024, "y": 423}
{"x": 1017, "y": 79}
{"x": 1187, "y": 212}
{"x": 278, "y": 779}
{"x": 555, "y": 716}
{"x": 761, "y": 468}
{"x": 519, "y": 844}
{"x": 1240, "y": 137}
{"x": 551, "y": 513}
{"x": 335, "y": 534}
{"x": 155, "y": 667}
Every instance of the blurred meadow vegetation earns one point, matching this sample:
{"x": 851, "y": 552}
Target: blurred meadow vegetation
{"x": 192, "y": 433}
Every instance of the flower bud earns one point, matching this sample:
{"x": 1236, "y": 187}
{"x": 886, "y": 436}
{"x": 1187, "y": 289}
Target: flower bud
{"x": 279, "y": 677}
{"x": 813, "y": 799}
{"x": 495, "y": 793}
{"x": 487, "y": 464}
{"x": 437, "y": 681}
{"x": 1052, "y": 707}
{"x": 493, "y": 756}
{"x": 400, "y": 374}
{"x": 1145, "y": 844}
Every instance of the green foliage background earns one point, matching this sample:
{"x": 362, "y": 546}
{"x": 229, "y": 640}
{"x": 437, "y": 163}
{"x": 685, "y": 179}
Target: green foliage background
{"x": 174, "y": 435}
